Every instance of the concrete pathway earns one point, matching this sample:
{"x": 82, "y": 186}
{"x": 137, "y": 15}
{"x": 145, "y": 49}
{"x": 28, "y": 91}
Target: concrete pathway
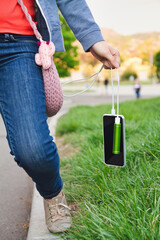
{"x": 125, "y": 90}
{"x": 15, "y": 194}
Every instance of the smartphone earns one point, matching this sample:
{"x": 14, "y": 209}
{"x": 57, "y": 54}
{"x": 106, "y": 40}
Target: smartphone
{"x": 108, "y": 130}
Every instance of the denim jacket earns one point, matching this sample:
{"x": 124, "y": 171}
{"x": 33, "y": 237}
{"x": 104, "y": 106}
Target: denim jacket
{"x": 77, "y": 15}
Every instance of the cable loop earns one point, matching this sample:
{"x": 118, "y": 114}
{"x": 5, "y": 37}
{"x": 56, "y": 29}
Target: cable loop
{"x": 96, "y": 76}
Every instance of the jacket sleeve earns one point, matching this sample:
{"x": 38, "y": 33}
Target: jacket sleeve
{"x": 79, "y": 18}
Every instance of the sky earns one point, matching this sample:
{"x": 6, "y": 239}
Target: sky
{"x": 127, "y": 16}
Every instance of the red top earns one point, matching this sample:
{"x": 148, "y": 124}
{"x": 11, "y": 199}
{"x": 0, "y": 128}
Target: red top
{"x": 12, "y": 18}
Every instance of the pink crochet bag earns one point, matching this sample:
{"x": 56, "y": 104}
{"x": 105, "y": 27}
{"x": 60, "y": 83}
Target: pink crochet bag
{"x": 52, "y": 86}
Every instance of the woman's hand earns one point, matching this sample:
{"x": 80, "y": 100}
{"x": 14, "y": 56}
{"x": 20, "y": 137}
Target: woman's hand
{"x": 109, "y": 56}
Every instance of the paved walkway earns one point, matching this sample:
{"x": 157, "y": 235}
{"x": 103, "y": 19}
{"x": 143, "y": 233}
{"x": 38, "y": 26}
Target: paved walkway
{"x": 100, "y": 96}
{"x": 15, "y": 194}
{"x": 125, "y": 90}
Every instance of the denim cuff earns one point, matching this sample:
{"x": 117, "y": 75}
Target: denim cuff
{"x": 91, "y": 38}
{"x": 45, "y": 194}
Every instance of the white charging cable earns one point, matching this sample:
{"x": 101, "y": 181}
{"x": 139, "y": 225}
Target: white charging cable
{"x": 117, "y": 93}
{"x": 96, "y": 76}
{"x": 113, "y": 110}
{"x": 117, "y": 119}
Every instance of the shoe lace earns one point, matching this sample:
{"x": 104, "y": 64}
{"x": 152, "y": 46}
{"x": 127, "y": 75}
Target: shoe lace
{"x": 58, "y": 211}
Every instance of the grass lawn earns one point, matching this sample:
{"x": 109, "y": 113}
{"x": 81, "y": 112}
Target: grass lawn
{"x": 113, "y": 203}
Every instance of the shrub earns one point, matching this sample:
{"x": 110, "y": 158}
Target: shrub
{"x": 157, "y": 64}
{"x": 129, "y": 72}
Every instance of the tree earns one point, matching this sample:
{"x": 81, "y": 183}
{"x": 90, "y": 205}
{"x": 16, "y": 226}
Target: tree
{"x": 157, "y": 64}
{"x": 129, "y": 72}
{"x": 67, "y": 60}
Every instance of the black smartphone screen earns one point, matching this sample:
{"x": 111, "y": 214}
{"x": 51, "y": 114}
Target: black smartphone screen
{"x": 108, "y": 126}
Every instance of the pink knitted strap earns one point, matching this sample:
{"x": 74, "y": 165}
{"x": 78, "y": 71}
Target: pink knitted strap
{"x": 29, "y": 18}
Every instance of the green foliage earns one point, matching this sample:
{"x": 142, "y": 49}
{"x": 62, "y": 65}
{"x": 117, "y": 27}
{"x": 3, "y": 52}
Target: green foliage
{"x": 122, "y": 59}
{"x": 129, "y": 72}
{"x": 67, "y": 60}
{"x": 157, "y": 64}
{"x": 113, "y": 203}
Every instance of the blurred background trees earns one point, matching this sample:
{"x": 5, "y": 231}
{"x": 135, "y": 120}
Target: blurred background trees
{"x": 140, "y": 55}
{"x": 65, "y": 61}
{"x": 128, "y": 73}
{"x": 157, "y": 64}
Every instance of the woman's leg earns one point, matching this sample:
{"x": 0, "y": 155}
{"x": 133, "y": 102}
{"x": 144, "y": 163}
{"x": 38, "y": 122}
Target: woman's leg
{"x": 22, "y": 105}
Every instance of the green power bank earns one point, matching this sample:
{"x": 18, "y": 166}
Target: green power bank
{"x": 116, "y": 138}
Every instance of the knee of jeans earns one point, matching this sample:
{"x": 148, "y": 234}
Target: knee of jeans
{"x": 39, "y": 154}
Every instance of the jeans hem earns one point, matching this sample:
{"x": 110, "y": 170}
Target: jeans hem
{"x": 50, "y": 196}
{"x": 53, "y": 195}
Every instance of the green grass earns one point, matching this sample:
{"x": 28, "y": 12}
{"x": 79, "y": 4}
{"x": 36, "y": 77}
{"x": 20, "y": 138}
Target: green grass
{"x": 114, "y": 203}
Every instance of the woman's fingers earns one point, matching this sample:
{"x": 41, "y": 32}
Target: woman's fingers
{"x": 116, "y": 55}
{"x": 110, "y": 64}
{"x": 109, "y": 56}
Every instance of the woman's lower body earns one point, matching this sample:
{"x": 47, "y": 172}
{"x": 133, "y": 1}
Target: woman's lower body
{"x": 22, "y": 106}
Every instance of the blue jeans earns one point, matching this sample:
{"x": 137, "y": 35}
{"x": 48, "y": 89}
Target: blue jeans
{"x": 137, "y": 93}
{"x": 22, "y": 106}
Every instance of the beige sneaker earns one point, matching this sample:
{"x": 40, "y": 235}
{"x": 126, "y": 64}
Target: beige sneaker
{"x": 57, "y": 214}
